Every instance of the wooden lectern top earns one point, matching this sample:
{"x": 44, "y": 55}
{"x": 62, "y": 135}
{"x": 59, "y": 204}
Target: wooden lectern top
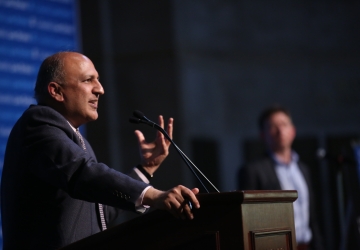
{"x": 249, "y": 196}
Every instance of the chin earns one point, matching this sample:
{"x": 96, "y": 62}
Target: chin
{"x": 92, "y": 118}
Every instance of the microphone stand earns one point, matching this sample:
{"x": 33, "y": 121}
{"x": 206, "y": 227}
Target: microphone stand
{"x": 140, "y": 118}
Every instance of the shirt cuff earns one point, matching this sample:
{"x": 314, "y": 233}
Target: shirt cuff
{"x": 139, "y": 207}
{"x": 141, "y": 175}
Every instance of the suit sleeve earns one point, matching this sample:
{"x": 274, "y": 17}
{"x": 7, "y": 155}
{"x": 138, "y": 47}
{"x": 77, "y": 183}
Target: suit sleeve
{"x": 55, "y": 157}
{"x": 112, "y": 213}
{"x": 259, "y": 175}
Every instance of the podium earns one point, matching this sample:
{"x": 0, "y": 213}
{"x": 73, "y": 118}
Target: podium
{"x": 248, "y": 220}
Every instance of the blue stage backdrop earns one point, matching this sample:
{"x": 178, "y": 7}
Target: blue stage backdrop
{"x": 357, "y": 158}
{"x": 30, "y": 30}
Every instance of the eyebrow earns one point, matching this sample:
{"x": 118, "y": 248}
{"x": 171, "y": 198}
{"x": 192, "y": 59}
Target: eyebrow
{"x": 92, "y": 76}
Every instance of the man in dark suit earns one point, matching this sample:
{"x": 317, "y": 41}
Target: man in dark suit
{"x": 54, "y": 191}
{"x": 281, "y": 169}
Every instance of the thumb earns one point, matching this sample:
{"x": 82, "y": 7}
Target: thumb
{"x": 139, "y": 135}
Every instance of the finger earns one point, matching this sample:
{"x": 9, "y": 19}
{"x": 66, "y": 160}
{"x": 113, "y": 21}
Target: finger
{"x": 140, "y": 136}
{"x": 181, "y": 212}
{"x": 161, "y": 121}
{"x": 159, "y": 135}
{"x": 180, "y": 203}
{"x": 175, "y": 208}
{"x": 187, "y": 211}
{"x": 170, "y": 127}
{"x": 190, "y": 195}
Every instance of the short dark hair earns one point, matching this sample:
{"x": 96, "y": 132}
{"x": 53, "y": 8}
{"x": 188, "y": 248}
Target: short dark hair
{"x": 51, "y": 70}
{"x": 268, "y": 112}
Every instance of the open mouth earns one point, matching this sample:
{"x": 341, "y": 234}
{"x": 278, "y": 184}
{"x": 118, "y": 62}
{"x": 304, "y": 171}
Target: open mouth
{"x": 94, "y": 104}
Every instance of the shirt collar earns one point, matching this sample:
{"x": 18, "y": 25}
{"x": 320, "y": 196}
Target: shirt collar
{"x": 294, "y": 158}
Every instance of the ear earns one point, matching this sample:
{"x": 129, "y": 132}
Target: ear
{"x": 55, "y": 92}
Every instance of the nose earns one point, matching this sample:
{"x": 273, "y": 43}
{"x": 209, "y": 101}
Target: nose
{"x": 98, "y": 89}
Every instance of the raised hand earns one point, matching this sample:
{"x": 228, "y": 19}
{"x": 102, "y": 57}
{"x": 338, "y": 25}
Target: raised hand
{"x": 154, "y": 153}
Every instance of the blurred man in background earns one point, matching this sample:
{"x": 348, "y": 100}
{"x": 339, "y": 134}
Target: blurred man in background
{"x": 281, "y": 169}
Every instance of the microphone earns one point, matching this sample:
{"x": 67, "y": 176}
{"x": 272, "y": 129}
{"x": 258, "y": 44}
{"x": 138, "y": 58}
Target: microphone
{"x": 139, "y": 114}
{"x": 137, "y": 121}
{"x": 141, "y": 118}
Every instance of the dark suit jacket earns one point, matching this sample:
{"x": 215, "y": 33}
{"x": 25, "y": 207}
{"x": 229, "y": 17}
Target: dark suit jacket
{"x": 50, "y": 185}
{"x": 261, "y": 175}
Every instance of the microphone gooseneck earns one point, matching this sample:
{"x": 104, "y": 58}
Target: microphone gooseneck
{"x": 141, "y": 118}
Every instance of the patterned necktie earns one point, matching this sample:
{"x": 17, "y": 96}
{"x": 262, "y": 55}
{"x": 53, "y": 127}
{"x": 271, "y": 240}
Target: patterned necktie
{"x": 81, "y": 139}
{"x": 101, "y": 209}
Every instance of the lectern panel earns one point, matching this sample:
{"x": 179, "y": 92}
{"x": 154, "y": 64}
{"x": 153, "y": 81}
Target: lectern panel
{"x": 271, "y": 240}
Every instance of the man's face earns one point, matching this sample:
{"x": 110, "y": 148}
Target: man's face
{"x": 279, "y": 132}
{"x": 81, "y": 89}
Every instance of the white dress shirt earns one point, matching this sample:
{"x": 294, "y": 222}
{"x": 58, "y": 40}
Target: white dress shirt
{"x": 291, "y": 178}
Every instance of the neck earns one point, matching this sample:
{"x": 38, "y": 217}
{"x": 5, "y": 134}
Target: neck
{"x": 284, "y": 155}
